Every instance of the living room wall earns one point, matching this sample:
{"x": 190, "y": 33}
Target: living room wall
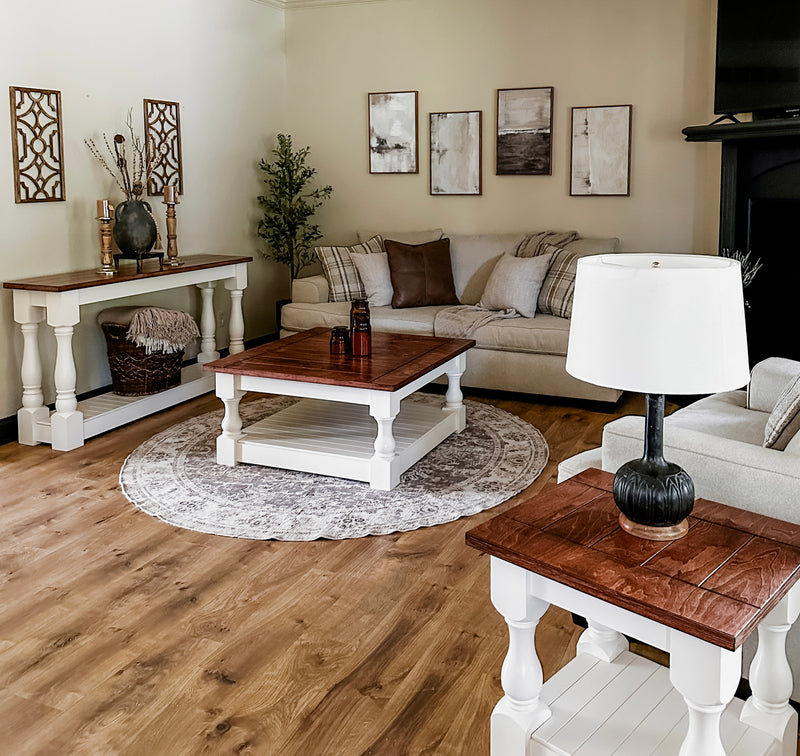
{"x": 654, "y": 55}
{"x": 224, "y": 62}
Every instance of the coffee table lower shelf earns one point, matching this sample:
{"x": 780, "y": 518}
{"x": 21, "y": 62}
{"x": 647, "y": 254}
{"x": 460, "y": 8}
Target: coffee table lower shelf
{"x": 338, "y": 439}
{"x": 629, "y": 707}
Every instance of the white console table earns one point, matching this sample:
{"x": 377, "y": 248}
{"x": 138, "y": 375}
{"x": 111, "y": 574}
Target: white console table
{"x": 58, "y": 299}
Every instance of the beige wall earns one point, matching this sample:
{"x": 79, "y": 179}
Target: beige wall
{"x": 224, "y": 61}
{"x": 655, "y": 55}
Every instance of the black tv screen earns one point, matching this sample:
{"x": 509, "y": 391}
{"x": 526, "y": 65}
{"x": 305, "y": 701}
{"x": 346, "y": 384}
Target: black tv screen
{"x": 758, "y": 57}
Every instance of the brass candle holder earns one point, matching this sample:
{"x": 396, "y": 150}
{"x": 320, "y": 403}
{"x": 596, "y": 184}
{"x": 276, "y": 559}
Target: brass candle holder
{"x": 170, "y": 200}
{"x": 105, "y": 216}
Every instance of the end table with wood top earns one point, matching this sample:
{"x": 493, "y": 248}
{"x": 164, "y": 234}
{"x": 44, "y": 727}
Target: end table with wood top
{"x": 697, "y": 598}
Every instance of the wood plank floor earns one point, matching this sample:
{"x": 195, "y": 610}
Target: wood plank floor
{"x": 120, "y": 634}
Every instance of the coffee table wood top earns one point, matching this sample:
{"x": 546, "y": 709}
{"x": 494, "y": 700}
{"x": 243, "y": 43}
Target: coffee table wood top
{"x": 84, "y": 279}
{"x": 397, "y": 359}
{"x": 716, "y": 583}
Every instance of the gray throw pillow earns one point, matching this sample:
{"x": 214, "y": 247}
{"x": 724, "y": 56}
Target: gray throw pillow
{"x": 374, "y": 272}
{"x": 514, "y": 284}
{"x": 784, "y": 420}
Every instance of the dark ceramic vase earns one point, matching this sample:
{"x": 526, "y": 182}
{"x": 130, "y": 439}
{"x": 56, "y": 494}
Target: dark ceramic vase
{"x": 134, "y": 228}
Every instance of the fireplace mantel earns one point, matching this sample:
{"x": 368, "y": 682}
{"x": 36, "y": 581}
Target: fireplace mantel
{"x": 760, "y": 212}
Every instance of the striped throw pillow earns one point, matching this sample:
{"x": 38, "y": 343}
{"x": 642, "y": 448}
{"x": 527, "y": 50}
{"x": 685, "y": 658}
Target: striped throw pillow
{"x": 784, "y": 420}
{"x": 558, "y": 288}
{"x": 344, "y": 283}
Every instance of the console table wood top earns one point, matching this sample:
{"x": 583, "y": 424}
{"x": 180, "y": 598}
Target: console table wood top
{"x": 84, "y": 279}
{"x": 397, "y": 359}
{"x": 717, "y": 583}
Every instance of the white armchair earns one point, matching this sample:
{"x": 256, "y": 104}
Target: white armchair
{"x": 719, "y": 440}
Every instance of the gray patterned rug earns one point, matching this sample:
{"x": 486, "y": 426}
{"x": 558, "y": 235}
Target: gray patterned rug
{"x": 174, "y": 476}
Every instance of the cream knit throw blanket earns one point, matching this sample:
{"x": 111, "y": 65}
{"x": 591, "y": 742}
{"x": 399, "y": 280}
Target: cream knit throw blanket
{"x": 160, "y": 330}
{"x": 536, "y": 244}
{"x": 462, "y": 321}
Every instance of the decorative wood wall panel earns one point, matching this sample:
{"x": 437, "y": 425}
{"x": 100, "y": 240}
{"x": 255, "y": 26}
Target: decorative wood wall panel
{"x": 37, "y": 145}
{"x": 162, "y": 125}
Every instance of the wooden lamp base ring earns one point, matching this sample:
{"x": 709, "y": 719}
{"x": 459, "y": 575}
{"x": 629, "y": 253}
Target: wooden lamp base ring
{"x": 654, "y": 532}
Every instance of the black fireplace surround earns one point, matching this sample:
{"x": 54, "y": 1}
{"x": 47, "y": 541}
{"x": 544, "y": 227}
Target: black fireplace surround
{"x": 760, "y": 212}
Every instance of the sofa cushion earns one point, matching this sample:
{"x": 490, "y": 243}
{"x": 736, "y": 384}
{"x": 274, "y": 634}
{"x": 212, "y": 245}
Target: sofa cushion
{"x": 593, "y": 246}
{"x": 474, "y": 257}
{"x": 558, "y": 288}
{"x": 515, "y": 283}
{"x": 407, "y": 237}
{"x": 768, "y": 379}
{"x": 344, "y": 283}
{"x": 373, "y": 269}
{"x": 544, "y": 334}
{"x": 302, "y": 316}
{"x": 421, "y": 274}
{"x": 784, "y": 420}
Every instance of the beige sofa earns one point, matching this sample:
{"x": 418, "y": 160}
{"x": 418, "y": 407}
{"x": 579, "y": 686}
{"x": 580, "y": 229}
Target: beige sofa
{"x": 520, "y": 354}
{"x": 718, "y": 440}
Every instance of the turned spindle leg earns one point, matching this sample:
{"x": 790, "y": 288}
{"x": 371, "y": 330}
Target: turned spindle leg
{"x": 771, "y": 680}
{"x": 208, "y": 324}
{"x": 383, "y": 473}
{"x": 706, "y": 676}
{"x": 236, "y": 324}
{"x": 66, "y": 423}
{"x": 520, "y": 711}
{"x": 601, "y": 642}
{"x": 231, "y": 421}
{"x": 33, "y": 409}
{"x": 454, "y": 399}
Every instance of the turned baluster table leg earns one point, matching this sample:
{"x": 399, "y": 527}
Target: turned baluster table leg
{"x": 601, "y": 642}
{"x": 33, "y": 409}
{"x": 520, "y": 711}
{"x": 231, "y": 421}
{"x": 454, "y": 399}
{"x": 771, "y": 680}
{"x": 706, "y": 676}
{"x": 383, "y": 473}
{"x": 208, "y": 324}
{"x": 236, "y": 323}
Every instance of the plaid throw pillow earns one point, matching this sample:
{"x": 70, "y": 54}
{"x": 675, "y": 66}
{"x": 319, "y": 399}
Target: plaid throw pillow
{"x": 555, "y": 296}
{"x": 344, "y": 283}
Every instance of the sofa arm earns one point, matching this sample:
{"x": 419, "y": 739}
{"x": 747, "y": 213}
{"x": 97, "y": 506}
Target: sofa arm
{"x": 311, "y": 290}
{"x": 767, "y": 379}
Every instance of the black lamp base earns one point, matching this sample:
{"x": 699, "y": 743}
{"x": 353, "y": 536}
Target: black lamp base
{"x": 654, "y": 496}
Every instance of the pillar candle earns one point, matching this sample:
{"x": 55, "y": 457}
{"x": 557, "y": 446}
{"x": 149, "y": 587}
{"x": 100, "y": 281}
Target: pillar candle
{"x": 103, "y": 208}
{"x": 170, "y": 193}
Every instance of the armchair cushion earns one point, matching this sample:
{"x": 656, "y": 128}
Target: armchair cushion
{"x": 784, "y": 420}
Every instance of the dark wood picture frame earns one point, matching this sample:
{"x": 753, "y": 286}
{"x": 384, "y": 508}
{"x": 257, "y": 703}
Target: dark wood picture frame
{"x": 390, "y": 118}
{"x": 524, "y": 136}
{"x": 456, "y": 153}
{"x": 607, "y": 129}
{"x": 162, "y": 124}
{"x": 37, "y": 145}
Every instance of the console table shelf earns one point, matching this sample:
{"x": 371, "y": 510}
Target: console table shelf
{"x": 58, "y": 298}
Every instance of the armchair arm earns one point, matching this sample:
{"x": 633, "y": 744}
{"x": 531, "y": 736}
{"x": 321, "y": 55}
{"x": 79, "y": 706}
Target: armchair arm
{"x": 767, "y": 379}
{"x": 312, "y": 290}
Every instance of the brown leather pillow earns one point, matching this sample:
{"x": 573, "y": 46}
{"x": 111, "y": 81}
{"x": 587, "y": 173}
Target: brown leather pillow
{"x": 421, "y": 273}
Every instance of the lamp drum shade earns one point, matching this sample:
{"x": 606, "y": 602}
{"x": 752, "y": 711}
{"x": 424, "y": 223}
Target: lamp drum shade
{"x": 659, "y": 324}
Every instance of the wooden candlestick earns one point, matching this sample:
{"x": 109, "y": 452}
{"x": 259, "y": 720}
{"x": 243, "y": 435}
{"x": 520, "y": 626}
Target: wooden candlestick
{"x": 170, "y": 200}
{"x": 104, "y": 208}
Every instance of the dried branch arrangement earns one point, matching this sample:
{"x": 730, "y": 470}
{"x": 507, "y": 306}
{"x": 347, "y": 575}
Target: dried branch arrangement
{"x": 134, "y": 160}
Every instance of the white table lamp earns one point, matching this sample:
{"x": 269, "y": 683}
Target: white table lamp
{"x": 658, "y": 324}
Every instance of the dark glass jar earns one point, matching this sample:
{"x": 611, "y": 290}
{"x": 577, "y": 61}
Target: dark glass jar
{"x": 340, "y": 340}
{"x": 358, "y": 307}
{"x": 361, "y": 337}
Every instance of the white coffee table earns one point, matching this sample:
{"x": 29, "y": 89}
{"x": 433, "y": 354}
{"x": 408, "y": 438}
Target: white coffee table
{"x": 357, "y": 418}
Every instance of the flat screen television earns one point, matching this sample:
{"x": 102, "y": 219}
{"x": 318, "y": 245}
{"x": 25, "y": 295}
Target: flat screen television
{"x": 758, "y": 58}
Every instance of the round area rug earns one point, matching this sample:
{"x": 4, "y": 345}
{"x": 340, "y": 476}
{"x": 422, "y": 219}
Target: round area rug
{"x": 175, "y": 477}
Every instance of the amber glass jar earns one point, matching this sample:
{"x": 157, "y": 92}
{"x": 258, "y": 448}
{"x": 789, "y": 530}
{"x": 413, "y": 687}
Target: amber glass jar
{"x": 358, "y": 307}
{"x": 361, "y": 337}
{"x": 340, "y": 340}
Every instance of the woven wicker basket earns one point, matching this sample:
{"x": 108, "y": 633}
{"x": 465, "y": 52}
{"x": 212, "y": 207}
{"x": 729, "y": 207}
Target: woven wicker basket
{"x": 133, "y": 371}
